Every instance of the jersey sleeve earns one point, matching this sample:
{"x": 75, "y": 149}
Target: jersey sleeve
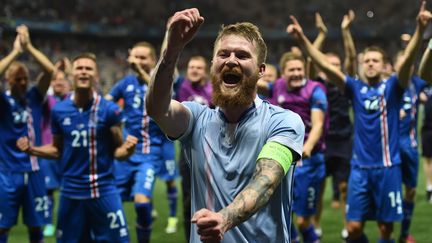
{"x": 34, "y": 96}
{"x": 287, "y": 128}
{"x": 319, "y": 99}
{"x": 114, "y": 114}
{"x": 116, "y": 90}
{"x": 55, "y": 123}
{"x": 195, "y": 111}
{"x": 350, "y": 84}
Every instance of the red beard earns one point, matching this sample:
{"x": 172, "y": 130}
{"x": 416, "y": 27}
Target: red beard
{"x": 244, "y": 97}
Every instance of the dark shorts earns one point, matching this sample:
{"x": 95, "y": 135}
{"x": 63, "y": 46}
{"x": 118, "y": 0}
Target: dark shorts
{"x": 427, "y": 143}
{"x": 338, "y": 168}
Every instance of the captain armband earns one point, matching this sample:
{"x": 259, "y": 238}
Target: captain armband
{"x": 277, "y": 152}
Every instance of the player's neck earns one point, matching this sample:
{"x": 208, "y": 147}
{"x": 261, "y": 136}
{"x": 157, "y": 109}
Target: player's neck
{"x": 83, "y": 97}
{"x": 374, "y": 81}
{"x": 234, "y": 113}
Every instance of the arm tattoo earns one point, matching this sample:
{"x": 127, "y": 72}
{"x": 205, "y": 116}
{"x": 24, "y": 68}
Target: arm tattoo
{"x": 267, "y": 176}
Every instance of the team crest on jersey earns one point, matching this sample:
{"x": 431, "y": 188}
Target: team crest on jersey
{"x": 67, "y": 121}
{"x": 129, "y": 88}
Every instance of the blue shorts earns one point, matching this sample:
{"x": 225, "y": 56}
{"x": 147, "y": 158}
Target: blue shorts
{"x": 92, "y": 220}
{"x": 26, "y": 189}
{"x": 375, "y": 194}
{"x": 51, "y": 171}
{"x": 137, "y": 175}
{"x": 308, "y": 176}
{"x": 169, "y": 170}
{"x": 409, "y": 166}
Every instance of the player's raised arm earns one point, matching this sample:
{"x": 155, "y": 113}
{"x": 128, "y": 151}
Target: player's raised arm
{"x": 335, "y": 75}
{"x": 404, "y": 73}
{"x": 311, "y": 71}
{"x": 48, "y": 151}
{"x": 170, "y": 115}
{"x": 44, "y": 79}
{"x": 350, "y": 62}
{"x": 16, "y": 51}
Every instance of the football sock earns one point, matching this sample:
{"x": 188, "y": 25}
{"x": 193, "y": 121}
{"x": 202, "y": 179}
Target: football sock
{"x": 36, "y": 236}
{"x": 309, "y": 234}
{"x": 143, "y": 222}
{"x": 362, "y": 239}
{"x": 408, "y": 208}
{"x": 172, "y": 201}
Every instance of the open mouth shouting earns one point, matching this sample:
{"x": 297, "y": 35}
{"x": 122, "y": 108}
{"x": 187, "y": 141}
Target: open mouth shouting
{"x": 231, "y": 79}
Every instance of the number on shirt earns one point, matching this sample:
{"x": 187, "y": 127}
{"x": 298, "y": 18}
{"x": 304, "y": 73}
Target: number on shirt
{"x": 372, "y": 105}
{"x": 136, "y": 101}
{"x": 20, "y": 117}
{"x": 115, "y": 218}
{"x": 79, "y": 138}
{"x": 41, "y": 203}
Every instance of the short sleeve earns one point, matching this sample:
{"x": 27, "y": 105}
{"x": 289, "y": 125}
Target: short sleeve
{"x": 319, "y": 99}
{"x": 195, "y": 110}
{"x": 116, "y": 90}
{"x": 287, "y": 128}
{"x": 114, "y": 114}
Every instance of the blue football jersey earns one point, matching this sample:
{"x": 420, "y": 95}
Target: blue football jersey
{"x": 410, "y": 104}
{"x": 86, "y": 163}
{"x": 376, "y": 121}
{"x": 138, "y": 123}
{"x": 19, "y": 118}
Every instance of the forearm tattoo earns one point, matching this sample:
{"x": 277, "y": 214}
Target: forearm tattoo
{"x": 267, "y": 176}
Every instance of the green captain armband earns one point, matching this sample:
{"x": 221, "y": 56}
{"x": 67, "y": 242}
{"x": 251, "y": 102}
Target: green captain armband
{"x": 277, "y": 152}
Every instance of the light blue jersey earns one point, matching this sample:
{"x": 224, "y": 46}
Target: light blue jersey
{"x": 222, "y": 157}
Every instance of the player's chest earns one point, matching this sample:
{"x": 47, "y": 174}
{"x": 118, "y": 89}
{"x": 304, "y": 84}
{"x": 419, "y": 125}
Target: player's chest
{"x": 372, "y": 99}
{"x": 134, "y": 96}
{"x": 81, "y": 127}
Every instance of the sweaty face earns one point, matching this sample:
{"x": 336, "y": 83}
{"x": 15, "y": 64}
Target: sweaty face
{"x": 59, "y": 84}
{"x": 18, "y": 80}
{"x": 234, "y": 72}
{"x": 196, "y": 71}
{"x": 142, "y": 56}
{"x": 294, "y": 72}
{"x": 373, "y": 64}
{"x": 84, "y": 73}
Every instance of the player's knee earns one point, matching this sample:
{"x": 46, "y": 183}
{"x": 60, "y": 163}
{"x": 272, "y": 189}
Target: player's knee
{"x": 385, "y": 229}
{"x": 141, "y": 198}
{"x": 303, "y": 222}
{"x": 171, "y": 183}
{"x": 355, "y": 229}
